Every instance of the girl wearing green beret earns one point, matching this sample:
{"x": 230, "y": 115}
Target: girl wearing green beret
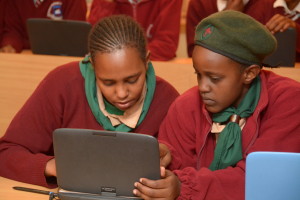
{"x": 237, "y": 108}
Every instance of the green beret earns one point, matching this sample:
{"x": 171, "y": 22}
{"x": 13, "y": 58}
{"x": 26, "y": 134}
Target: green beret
{"x": 237, "y": 36}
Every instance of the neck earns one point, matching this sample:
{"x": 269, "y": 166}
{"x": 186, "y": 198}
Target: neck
{"x": 292, "y": 4}
{"x": 241, "y": 96}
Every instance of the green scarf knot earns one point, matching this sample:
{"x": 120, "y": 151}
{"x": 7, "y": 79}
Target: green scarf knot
{"x": 229, "y": 147}
{"x": 88, "y": 74}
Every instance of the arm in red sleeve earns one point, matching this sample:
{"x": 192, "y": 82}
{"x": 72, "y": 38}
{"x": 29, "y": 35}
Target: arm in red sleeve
{"x": 13, "y": 33}
{"x": 27, "y": 145}
{"x": 178, "y": 130}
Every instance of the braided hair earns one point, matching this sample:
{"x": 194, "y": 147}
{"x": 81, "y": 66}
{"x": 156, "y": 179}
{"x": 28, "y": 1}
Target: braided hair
{"x": 117, "y": 32}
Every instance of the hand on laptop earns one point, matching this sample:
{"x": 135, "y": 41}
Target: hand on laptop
{"x": 166, "y": 188}
{"x": 165, "y": 155}
{"x": 50, "y": 169}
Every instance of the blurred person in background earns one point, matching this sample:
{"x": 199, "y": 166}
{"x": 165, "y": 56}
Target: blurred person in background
{"x": 15, "y": 36}
{"x": 160, "y": 20}
{"x": 281, "y": 15}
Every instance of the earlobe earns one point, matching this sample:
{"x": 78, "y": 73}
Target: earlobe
{"x": 251, "y": 73}
{"x": 147, "y": 59}
{"x": 148, "y": 56}
{"x": 90, "y": 59}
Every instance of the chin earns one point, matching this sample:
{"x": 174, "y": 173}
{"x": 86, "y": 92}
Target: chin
{"x": 212, "y": 109}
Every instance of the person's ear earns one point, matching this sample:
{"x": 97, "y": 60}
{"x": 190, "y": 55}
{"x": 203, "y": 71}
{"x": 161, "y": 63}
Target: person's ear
{"x": 251, "y": 73}
{"x": 148, "y": 56}
{"x": 147, "y": 59}
{"x": 90, "y": 59}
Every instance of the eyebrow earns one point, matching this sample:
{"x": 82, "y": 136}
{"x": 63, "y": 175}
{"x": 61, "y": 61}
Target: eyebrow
{"x": 213, "y": 73}
{"x": 128, "y": 77}
{"x": 209, "y": 73}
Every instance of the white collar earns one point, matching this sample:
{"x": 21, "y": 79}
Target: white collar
{"x": 282, "y": 3}
{"x": 221, "y": 4}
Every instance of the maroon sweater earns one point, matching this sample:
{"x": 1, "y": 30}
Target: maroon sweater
{"x": 60, "y": 102}
{"x": 15, "y": 32}
{"x": 273, "y": 126}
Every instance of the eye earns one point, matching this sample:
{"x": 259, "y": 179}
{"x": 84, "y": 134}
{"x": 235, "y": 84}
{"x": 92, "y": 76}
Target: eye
{"x": 215, "y": 79}
{"x": 108, "y": 83}
{"x": 132, "y": 80}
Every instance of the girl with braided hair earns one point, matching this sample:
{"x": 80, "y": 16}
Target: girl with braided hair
{"x": 114, "y": 88}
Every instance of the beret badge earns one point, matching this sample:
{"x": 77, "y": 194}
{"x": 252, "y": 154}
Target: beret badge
{"x": 207, "y": 32}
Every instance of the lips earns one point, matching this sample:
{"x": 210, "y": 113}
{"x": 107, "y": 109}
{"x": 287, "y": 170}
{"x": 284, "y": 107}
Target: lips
{"x": 123, "y": 105}
{"x": 208, "y": 102}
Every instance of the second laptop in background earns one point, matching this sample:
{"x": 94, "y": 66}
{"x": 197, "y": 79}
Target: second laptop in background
{"x": 58, "y": 37}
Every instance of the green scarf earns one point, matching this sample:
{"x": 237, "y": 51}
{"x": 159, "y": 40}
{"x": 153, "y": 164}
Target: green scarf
{"x": 229, "y": 147}
{"x": 88, "y": 74}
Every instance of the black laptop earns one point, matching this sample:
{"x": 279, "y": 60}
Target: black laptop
{"x": 93, "y": 164}
{"x": 58, "y": 37}
{"x": 285, "y": 55}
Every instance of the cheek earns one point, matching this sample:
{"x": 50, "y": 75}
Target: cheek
{"x": 107, "y": 92}
{"x": 137, "y": 89}
{"x": 227, "y": 94}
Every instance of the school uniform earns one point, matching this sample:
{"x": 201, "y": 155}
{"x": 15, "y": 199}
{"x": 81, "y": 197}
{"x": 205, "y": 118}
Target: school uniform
{"x": 60, "y": 102}
{"x": 186, "y": 130}
{"x": 199, "y": 9}
{"x": 18, "y": 11}
{"x": 159, "y": 19}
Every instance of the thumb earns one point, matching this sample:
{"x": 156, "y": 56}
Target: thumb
{"x": 162, "y": 172}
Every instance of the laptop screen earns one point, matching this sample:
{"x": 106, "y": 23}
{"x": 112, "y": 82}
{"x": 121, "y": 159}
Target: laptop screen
{"x": 272, "y": 176}
{"x": 58, "y": 37}
{"x": 285, "y": 54}
{"x": 103, "y": 162}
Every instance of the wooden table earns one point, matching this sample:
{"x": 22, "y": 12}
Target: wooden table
{"x": 21, "y": 73}
{"x": 8, "y": 193}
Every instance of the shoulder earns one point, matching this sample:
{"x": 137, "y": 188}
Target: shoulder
{"x": 275, "y": 81}
{"x": 189, "y": 101}
{"x": 164, "y": 93}
{"x": 72, "y": 67}
{"x": 280, "y": 89}
{"x": 69, "y": 72}
{"x": 163, "y": 85}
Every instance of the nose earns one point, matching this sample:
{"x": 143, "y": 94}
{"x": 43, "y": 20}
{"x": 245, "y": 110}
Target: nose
{"x": 121, "y": 91}
{"x": 203, "y": 86}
